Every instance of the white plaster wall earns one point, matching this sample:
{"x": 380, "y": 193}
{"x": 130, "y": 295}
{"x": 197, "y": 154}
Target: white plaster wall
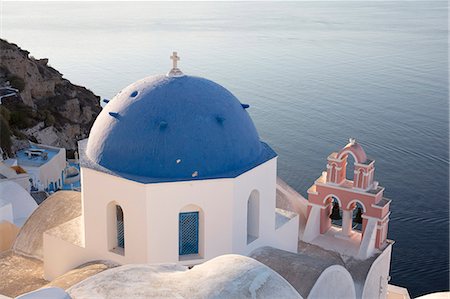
{"x": 376, "y": 283}
{"x": 61, "y": 256}
{"x": 224, "y": 206}
{"x": 335, "y": 282}
{"x": 264, "y": 179}
{"x": 294, "y": 202}
{"x": 6, "y": 170}
{"x": 22, "y": 179}
{"x": 261, "y": 178}
{"x": 166, "y": 200}
{"x": 151, "y": 219}
{"x": 367, "y": 247}
{"x": 34, "y": 173}
{"x": 98, "y": 191}
{"x": 286, "y": 236}
{"x": 312, "y": 229}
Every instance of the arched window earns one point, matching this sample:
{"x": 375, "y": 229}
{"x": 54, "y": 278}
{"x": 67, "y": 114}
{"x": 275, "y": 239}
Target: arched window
{"x": 253, "y": 216}
{"x": 120, "y": 227}
{"x": 116, "y": 228}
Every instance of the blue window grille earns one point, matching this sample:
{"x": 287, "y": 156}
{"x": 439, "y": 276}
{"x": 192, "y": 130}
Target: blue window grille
{"x": 120, "y": 228}
{"x": 188, "y": 233}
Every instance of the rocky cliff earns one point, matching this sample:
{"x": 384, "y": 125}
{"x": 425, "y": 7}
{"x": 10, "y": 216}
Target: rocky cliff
{"x": 46, "y": 108}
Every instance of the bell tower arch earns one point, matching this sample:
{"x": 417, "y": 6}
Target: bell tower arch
{"x": 337, "y": 205}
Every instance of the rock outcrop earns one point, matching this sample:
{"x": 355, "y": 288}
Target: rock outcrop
{"x": 47, "y": 108}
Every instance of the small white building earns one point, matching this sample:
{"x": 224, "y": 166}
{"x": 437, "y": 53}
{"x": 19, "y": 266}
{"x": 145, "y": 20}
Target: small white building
{"x": 173, "y": 172}
{"x": 45, "y": 165}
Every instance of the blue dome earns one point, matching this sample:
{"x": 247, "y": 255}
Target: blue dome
{"x": 175, "y": 128}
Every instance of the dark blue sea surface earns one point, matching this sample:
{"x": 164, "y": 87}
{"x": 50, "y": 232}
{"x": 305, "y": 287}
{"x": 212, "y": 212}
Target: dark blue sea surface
{"x": 314, "y": 74}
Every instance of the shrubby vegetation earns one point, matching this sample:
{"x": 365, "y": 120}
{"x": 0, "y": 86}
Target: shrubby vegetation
{"x": 16, "y": 82}
{"x": 20, "y": 117}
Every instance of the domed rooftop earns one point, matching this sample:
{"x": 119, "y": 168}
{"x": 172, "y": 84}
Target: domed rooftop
{"x": 226, "y": 276}
{"x": 175, "y": 127}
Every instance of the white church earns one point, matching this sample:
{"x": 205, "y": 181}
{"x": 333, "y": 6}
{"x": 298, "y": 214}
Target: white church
{"x": 174, "y": 171}
{"x": 174, "y": 175}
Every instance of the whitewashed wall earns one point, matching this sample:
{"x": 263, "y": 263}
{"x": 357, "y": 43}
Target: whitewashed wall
{"x": 98, "y": 191}
{"x": 376, "y": 283}
{"x": 167, "y": 200}
{"x": 51, "y": 170}
{"x": 151, "y": 219}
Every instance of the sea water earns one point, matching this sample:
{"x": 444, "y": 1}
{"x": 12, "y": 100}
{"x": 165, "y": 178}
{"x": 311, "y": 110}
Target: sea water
{"x": 314, "y": 74}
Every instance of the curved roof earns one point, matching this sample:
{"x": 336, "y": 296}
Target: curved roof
{"x": 226, "y": 276}
{"x": 57, "y": 209}
{"x": 356, "y": 150}
{"x": 175, "y": 128}
{"x": 22, "y": 204}
{"x": 301, "y": 269}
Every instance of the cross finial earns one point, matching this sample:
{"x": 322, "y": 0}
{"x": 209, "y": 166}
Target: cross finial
{"x": 175, "y": 71}
{"x": 352, "y": 140}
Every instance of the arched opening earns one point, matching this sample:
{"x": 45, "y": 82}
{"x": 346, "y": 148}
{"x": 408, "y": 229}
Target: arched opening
{"x": 358, "y": 210}
{"x": 336, "y": 211}
{"x": 350, "y": 168}
{"x": 253, "y": 217}
{"x": 190, "y": 233}
{"x": 340, "y": 215}
{"x": 120, "y": 227}
{"x": 116, "y": 228}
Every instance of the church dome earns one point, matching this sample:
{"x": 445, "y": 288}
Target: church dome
{"x": 175, "y": 128}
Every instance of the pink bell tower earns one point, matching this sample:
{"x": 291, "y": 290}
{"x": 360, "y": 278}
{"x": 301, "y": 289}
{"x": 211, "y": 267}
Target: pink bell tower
{"x": 333, "y": 190}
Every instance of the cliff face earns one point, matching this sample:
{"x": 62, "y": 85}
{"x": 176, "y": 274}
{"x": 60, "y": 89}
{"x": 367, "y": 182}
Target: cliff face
{"x": 48, "y": 108}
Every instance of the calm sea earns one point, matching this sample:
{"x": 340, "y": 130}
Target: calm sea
{"x": 314, "y": 73}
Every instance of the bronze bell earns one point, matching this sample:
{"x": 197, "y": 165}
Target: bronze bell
{"x": 358, "y": 217}
{"x": 335, "y": 215}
